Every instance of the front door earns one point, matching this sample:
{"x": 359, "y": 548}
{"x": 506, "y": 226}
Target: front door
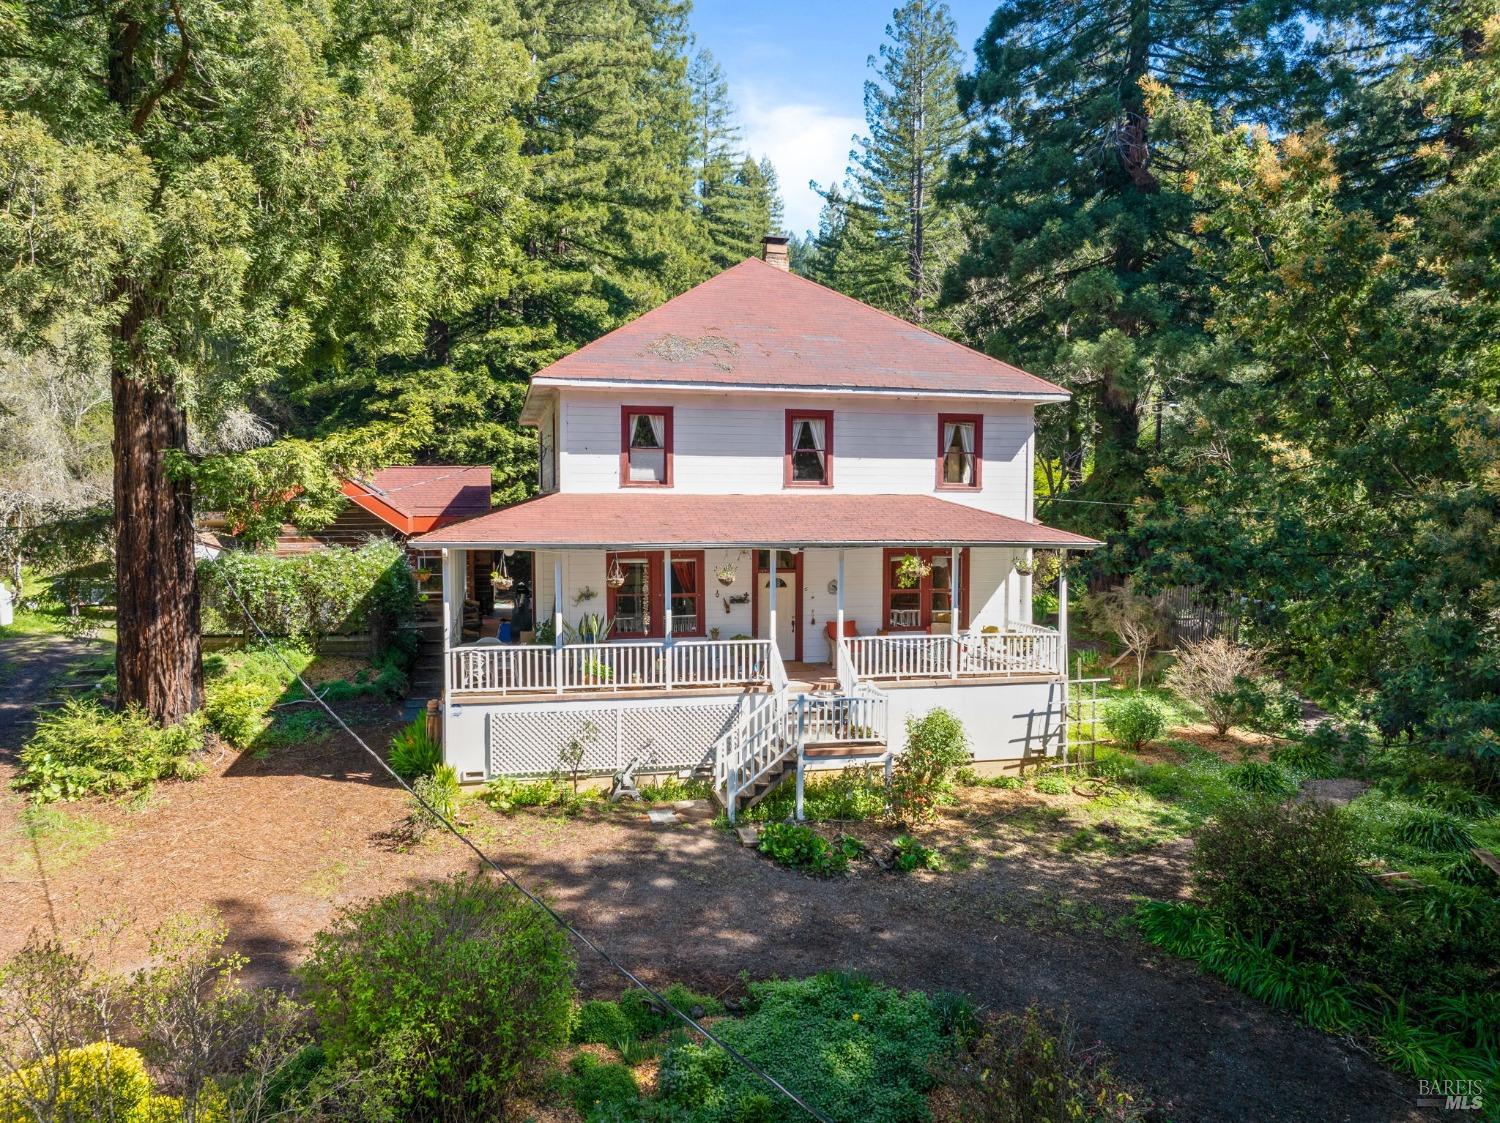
{"x": 787, "y": 597}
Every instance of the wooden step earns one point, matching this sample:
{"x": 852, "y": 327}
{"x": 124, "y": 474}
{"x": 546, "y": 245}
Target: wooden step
{"x": 837, "y": 750}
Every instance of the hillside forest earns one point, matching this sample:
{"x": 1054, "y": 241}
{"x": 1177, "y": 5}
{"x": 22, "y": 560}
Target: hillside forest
{"x": 253, "y": 247}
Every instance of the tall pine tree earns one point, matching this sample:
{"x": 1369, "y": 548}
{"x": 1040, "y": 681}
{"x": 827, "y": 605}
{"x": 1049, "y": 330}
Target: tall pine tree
{"x": 1080, "y": 267}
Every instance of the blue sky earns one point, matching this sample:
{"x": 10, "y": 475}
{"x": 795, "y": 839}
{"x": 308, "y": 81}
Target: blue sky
{"x": 796, "y": 71}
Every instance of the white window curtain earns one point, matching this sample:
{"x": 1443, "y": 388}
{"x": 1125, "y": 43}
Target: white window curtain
{"x": 648, "y": 448}
{"x": 810, "y": 450}
{"x": 958, "y": 462}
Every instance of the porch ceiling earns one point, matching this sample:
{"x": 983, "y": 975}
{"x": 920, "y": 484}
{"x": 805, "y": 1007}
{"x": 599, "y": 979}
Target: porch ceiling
{"x": 569, "y": 520}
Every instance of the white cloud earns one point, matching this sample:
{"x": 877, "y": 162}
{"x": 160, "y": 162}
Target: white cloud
{"x": 805, "y": 142}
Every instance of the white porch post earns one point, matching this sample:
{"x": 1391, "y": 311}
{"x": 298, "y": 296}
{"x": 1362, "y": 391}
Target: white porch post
{"x": 667, "y": 618}
{"x": 1062, "y": 644}
{"x": 838, "y": 627}
{"x": 557, "y": 624}
{"x": 953, "y": 587}
{"x": 447, "y": 635}
{"x": 771, "y": 606}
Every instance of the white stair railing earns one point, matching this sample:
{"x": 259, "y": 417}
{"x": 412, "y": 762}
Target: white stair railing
{"x": 759, "y": 740}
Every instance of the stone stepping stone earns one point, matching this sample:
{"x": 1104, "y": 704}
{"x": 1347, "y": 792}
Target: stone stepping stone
{"x": 749, "y": 836}
{"x": 661, "y": 815}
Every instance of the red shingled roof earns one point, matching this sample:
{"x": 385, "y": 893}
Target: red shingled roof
{"x": 757, "y": 325}
{"x": 629, "y": 519}
{"x": 418, "y": 497}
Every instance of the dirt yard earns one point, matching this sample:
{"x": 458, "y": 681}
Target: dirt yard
{"x": 278, "y": 845}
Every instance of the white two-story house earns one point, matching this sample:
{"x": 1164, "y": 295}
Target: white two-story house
{"x": 801, "y": 518}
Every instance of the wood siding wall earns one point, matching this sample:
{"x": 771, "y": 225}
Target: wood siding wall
{"x": 733, "y": 444}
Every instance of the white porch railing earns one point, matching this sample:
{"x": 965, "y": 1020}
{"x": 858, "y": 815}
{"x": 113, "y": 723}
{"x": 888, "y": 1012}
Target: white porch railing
{"x": 1017, "y": 652}
{"x": 596, "y": 667}
{"x": 757, "y": 742}
{"x": 862, "y": 716}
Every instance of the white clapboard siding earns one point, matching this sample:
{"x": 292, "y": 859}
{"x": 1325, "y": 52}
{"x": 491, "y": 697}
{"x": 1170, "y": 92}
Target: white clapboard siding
{"x": 733, "y": 443}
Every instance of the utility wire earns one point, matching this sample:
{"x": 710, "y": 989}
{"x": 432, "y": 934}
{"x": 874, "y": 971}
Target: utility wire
{"x": 556, "y": 917}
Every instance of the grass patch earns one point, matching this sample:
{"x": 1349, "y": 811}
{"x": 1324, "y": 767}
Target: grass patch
{"x": 56, "y": 838}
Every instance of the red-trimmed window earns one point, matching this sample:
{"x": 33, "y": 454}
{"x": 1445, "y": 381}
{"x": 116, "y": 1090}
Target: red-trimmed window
{"x": 960, "y": 454}
{"x": 688, "y": 593}
{"x": 926, "y": 604}
{"x": 635, "y": 605}
{"x": 645, "y": 446}
{"x": 809, "y": 448}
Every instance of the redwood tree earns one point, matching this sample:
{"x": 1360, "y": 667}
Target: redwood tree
{"x": 195, "y": 194}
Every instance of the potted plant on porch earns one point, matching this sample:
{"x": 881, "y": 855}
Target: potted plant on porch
{"x": 911, "y": 570}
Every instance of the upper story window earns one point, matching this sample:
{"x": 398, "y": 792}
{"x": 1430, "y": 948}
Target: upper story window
{"x": 645, "y": 446}
{"x": 809, "y": 448}
{"x": 960, "y": 450}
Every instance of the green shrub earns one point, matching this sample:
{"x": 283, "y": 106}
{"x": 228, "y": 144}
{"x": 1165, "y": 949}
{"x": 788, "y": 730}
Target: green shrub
{"x": 850, "y": 1047}
{"x": 413, "y": 753}
{"x": 505, "y": 795}
{"x": 471, "y": 981}
{"x": 926, "y": 772}
{"x": 84, "y": 749}
{"x": 1279, "y": 870}
{"x": 1263, "y": 779}
{"x": 1432, "y": 829}
{"x": 101, "y": 1081}
{"x": 238, "y": 711}
{"x": 1309, "y": 757}
{"x": 1266, "y": 705}
{"x": 600, "y": 1092}
{"x": 1027, "y": 1068}
{"x": 1051, "y": 785}
{"x": 1457, "y": 799}
{"x": 802, "y": 848}
{"x": 439, "y": 791}
{"x": 600, "y": 1022}
{"x": 336, "y": 590}
{"x": 851, "y": 795}
{"x": 1134, "y": 723}
{"x": 908, "y": 854}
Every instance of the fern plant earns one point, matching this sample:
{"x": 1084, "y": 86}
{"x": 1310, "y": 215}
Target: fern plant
{"x": 413, "y": 753}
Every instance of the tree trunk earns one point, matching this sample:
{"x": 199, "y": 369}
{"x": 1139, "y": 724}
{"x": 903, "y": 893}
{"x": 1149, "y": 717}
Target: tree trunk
{"x": 158, "y": 659}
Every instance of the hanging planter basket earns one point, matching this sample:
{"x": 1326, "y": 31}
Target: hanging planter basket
{"x": 911, "y": 571}
{"x": 1025, "y": 568}
{"x": 615, "y": 578}
{"x": 501, "y": 580}
{"x": 725, "y": 574}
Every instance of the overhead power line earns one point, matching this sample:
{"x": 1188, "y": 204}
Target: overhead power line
{"x": 552, "y": 913}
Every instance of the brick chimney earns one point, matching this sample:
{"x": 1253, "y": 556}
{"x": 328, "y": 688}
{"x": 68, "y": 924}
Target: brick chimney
{"x": 773, "y": 251}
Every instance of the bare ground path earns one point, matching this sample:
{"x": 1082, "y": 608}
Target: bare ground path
{"x": 28, "y": 666}
{"x": 278, "y": 845}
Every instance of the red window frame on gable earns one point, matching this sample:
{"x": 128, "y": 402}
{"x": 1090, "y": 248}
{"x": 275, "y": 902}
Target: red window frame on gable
{"x": 792, "y": 417}
{"x": 627, "y": 414}
{"x": 943, "y": 421}
{"x": 922, "y": 590}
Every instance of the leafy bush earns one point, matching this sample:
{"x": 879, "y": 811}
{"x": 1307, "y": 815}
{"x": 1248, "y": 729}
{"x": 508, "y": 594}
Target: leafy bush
{"x": 1307, "y": 756}
{"x": 850, "y": 795}
{"x": 926, "y": 772}
{"x": 852, "y": 1048}
{"x": 439, "y": 791}
{"x": 909, "y": 854}
{"x": 413, "y": 753}
{"x": 1266, "y": 705}
{"x": 1262, "y": 778}
{"x": 84, "y": 749}
{"x": 505, "y": 795}
{"x": 1279, "y": 870}
{"x": 1432, "y": 829}
{"x": 238, "y": 711}
{"x": 1208, "y": 673}
{"x": 802, "y": 848}
{"x": 336, "y": 590}
{"x": 467, "y": 969}
{"x": 102, "y": 1081}
{"x": 1051, "y": 785}
{"x": 599, "y": 1022}
{"x": 1026, "y": 1068}
{"x": 1457, "y": 799}
{"x": 600, "y": 1091}
{"x": 1134, "y": 723}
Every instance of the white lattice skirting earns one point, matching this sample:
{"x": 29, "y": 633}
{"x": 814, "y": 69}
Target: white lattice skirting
{"x": 532, "y": 742}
